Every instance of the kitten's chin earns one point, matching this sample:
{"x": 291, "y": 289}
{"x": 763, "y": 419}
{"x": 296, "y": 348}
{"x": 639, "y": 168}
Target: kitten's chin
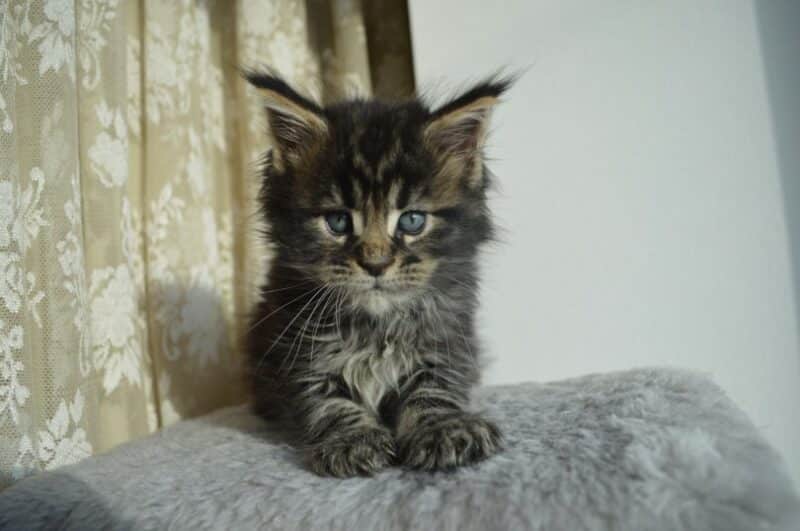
{"x": 380, "y": 302}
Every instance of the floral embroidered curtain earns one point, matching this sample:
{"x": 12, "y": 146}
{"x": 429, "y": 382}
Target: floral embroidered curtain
{"x": 128, "y": 150}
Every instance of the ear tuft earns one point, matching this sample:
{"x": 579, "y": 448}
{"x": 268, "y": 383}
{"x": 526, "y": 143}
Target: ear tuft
{"x": 492, "y": 88}
{"x": 456, "y": 131}
{"x": 296, "y": 123}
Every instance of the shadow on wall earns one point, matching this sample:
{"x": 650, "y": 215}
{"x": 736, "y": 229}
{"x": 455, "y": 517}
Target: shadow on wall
{"x": 194, "y": 340}
{"x": 778, "y": 23}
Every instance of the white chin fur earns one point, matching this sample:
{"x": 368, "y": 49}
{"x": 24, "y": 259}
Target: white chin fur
{"x": 381, "y": 302}
{"x": 376, "y": 302}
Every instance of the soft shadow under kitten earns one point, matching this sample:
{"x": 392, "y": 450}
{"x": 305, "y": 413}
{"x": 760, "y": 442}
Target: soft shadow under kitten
{"x": 364, "y": 337}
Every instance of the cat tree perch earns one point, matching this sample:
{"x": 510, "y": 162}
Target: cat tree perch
{"x": 636, "y": 450}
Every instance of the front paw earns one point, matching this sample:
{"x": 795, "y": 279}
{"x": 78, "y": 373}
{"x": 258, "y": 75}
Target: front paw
{"x": 449, "y": 441}
{"x": 359, "y": 453}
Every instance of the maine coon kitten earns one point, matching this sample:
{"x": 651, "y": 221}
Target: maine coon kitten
{"x": 364, "y": 338}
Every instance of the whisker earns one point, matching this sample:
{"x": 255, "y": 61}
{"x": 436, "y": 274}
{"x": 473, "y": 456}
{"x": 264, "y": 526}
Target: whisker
{"x": 464, "y": 339}
{"x": 338, "y": 314}
{"x": 286, "y": 287}
{"x": 322, "y": 315}
{"x": 457, "y": 280}
{"x": 326, "y": 295}
{"x": 317, "y": 297}
{"x": 313, "y": 296}
{"x": 438, "y": 316}
{"x": 279, "y": 308}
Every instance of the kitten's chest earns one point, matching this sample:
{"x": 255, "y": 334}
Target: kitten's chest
{"x": 371, "y": 363}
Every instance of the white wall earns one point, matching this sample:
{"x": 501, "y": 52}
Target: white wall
{"x": 640, "y": 191}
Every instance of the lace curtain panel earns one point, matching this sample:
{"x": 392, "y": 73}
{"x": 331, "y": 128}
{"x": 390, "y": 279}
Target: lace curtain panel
{"x": 128, "y": 149}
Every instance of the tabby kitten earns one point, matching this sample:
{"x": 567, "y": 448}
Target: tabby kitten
{"x": 364, "y": 337}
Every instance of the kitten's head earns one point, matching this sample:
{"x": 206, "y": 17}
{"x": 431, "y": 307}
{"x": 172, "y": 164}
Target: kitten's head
{"x": 386, "y": 201}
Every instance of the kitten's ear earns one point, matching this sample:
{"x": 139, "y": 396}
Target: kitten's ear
{"x": 456, "y": 131}
{"x": 296, "y": 124}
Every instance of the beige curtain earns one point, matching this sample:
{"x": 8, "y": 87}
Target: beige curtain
{"x": 128, "y": 147}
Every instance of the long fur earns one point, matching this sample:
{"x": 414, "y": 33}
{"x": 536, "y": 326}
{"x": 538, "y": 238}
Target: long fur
{"x": 373, "y": 372}
{"x": 643, "y": 450}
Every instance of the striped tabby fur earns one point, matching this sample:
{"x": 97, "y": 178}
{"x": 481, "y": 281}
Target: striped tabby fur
{"x": 364, "y": 339}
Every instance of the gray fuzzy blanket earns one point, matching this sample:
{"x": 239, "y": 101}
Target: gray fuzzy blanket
{"x": 638, "y": 450}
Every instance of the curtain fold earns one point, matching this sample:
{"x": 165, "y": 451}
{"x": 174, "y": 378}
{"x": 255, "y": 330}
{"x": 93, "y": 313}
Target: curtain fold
{"x": 129, "y": 150}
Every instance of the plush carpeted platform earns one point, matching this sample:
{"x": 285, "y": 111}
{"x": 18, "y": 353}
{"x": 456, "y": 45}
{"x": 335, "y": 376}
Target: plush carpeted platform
{"x": 639, "y": 450}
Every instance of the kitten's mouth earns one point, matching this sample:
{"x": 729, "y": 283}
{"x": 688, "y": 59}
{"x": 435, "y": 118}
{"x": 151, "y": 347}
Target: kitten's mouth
{"x": 384, "y": 286}
{"x": 380, "y": 287}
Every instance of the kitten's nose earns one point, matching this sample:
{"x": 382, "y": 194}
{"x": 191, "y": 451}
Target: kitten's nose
{"x": 376, "y": 265}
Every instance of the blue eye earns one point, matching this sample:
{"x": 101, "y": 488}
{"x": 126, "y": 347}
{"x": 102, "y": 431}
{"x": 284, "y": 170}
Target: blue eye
{"x": 339, "y": 222}
{"x": 411, "y": 222}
